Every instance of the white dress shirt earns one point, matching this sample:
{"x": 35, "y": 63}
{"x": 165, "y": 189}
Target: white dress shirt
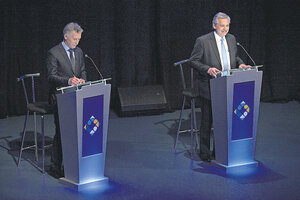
{"x": 218, "y": 40}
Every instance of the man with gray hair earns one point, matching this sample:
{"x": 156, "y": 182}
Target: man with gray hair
{"x": 212, "y": 53}
{"x": 65, "y": 64}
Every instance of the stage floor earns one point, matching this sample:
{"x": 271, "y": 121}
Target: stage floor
{"x": 141, "y": 163}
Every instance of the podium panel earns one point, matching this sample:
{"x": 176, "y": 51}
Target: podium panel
{"x": 235, "y": 107}
{"x": 83, "y": 117}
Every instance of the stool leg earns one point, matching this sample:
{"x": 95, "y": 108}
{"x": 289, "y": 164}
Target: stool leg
{"x": 23, "y": 138}
{"x": 195, "y": 122}
{"x": 35, "y": 138}
{"x": 43, "y": 142}
{"x": 179, "y": 124}
{"x": 192, "y": 128}
{"x": 212, "y": 140}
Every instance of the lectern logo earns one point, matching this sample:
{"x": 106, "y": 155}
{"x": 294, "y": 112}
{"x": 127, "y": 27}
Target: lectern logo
{"x": 242, "y": 110}
{"x": 92, "y": 125}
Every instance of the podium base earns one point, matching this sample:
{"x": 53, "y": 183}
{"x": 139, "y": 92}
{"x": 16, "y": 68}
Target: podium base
{"x": 236, "y": 169}
{"x": 86, "y": 185}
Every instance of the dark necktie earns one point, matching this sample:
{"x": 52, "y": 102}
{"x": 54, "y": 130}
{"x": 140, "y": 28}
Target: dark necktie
{"x": 72, "y": 59}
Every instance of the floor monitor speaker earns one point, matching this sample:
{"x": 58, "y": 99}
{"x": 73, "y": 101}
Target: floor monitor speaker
{"x": 141, "y": 100}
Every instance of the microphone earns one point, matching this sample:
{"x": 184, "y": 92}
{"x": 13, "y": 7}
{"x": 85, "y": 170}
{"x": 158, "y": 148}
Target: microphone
{"x": 94, "y": 66}
{"x": 246, "y": 53}
{"x": 181, "y": 62}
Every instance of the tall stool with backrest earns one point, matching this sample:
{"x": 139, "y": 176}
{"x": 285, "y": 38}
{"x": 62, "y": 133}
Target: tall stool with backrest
{"x": 191, "y": 93}
{"x": 40, "y": 108}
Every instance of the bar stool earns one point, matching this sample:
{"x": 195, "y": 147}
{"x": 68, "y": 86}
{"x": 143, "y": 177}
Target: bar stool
{"x": 191, "y": 93}
{"x": 40, "y": 108}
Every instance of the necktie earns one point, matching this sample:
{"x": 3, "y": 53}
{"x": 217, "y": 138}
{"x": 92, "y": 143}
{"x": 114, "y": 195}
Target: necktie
{"x": 224, "y": 55}
{"x": 72, "y": 59}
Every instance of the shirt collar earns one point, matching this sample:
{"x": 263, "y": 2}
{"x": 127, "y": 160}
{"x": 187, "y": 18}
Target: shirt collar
{"x": 65, "y": 46}
{"x": 218, "y": 38}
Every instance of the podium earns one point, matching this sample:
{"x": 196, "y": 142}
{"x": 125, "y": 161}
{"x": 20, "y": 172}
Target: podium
{"x": 235, "y": 108}
{"x": 83, "y": 116}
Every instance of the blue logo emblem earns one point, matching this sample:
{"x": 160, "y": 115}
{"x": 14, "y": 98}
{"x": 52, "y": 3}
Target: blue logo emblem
{"x": 92, "y": 125}
{"x": 242, "y": 110}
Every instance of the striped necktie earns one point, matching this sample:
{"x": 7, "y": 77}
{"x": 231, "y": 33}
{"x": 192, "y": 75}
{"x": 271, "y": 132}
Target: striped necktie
{"x": 72, "y": 59}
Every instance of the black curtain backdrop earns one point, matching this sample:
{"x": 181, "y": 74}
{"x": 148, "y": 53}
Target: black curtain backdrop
{"x": 135, "y": 42}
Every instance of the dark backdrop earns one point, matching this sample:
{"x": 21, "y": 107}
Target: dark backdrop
{"x": 135, "y": 42}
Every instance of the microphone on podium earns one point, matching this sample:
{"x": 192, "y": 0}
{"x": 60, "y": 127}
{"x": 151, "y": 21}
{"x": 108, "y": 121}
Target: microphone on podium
{"x": 246, "y": 53}
{"x": 94, "y": 66}
{"x": 181, "y": 62}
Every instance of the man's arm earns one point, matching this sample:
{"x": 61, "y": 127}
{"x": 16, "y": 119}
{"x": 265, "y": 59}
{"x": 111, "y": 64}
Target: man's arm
{"x": 197, "y": 56}
{"x": 54, "y": 77}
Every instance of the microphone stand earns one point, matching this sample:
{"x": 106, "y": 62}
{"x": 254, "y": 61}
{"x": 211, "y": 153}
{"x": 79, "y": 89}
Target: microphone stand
{"x": 94, "y": 65}
{"x": 246, "y": 53}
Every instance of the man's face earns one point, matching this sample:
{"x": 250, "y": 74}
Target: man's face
{"x": 222, "y": 27}
{"x": 73, "y": 39}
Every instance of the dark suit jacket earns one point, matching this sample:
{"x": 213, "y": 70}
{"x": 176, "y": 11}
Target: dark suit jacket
{"x": 60, "y": 69}
{"x": 205, "y": 55}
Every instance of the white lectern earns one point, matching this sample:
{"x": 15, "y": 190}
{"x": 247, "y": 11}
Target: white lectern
{"x": 83, "y": 116}
{"x": 235, "y": 107}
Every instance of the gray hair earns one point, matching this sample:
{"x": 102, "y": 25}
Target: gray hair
{"x": 70, "y": 27}
{"x": 219, "y": 15}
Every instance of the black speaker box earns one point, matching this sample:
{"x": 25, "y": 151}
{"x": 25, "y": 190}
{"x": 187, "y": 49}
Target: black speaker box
{"x": 141, "y": 100}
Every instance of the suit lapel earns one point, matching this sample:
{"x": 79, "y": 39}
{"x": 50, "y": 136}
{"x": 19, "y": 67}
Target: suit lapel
{"x": 66, "y": 58}
{"x": 76, "y": 60}
{"x": 230, "y": 49}
{"x": 215, "y": 48}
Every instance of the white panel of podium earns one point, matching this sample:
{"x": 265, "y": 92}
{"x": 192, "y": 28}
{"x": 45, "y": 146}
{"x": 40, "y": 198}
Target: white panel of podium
{"x": 83, "y": 116}
{"x": 235, "y": 107}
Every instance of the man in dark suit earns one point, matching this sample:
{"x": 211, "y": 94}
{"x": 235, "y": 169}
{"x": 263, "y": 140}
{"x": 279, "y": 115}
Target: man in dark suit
{"x": 212, "y": 53}
{"x": 65, "y": 64}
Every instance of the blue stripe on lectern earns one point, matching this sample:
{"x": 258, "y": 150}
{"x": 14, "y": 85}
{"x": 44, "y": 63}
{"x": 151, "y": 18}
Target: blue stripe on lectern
{"x": 92, "y": 126}
{"x": 243, "y": 106}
